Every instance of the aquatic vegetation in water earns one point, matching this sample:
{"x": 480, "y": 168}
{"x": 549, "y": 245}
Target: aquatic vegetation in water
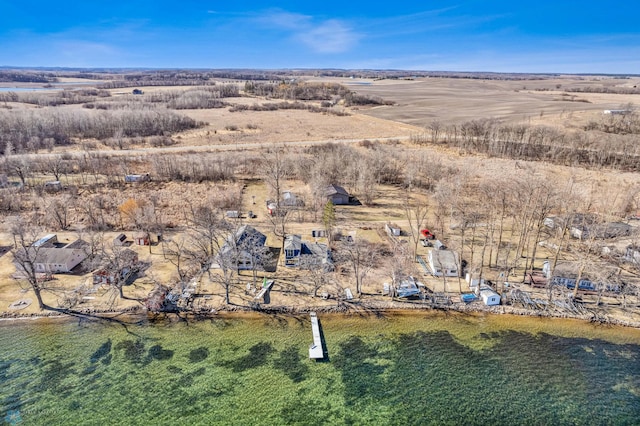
{"x": 289, "y": 362}
{"x": 258, "y": 356}
{"x": 133, "y": 350}
{"x": 156, "y": 352}
{"x": 199, "y": 354}
{"x": 392, "y": 370}
{"x": 101, "y": 352}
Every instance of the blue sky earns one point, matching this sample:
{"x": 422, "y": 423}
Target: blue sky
{"x": 504, "y": 36}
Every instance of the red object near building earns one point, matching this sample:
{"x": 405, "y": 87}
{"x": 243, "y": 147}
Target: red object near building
{"x": 427, "y": 234}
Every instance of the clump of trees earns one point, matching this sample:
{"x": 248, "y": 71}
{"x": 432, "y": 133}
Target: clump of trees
{"x": 44, "y": 128}
{"x": 353, "y": 99}
{"x": 625, "y": 122}
{"x": 537, "y": 143}
{"x": 305, "y": 91}
{"x": 196, "y": 167}
{"x": 63, "y": 97}
{"x": 301, "y": 91}
{"x": 274, "y": 106}
{"x": 201, "y": 97}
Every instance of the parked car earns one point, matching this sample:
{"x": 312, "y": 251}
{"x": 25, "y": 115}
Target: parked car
{"x": 426, "y": 234}
{"x": 426, "y": 243}
{"x": 438, "y": 245}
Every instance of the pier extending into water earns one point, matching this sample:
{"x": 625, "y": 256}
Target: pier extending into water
{"x": 315, "y": 349}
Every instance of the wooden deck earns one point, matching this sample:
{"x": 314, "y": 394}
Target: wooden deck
{"x": 315, "y": 350}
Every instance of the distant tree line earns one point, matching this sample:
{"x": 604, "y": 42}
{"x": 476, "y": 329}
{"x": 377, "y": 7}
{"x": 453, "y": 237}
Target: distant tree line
{"x": 27, "y": 77}
{"x": 605, "y": 89}
{"x": 537, "y": 143}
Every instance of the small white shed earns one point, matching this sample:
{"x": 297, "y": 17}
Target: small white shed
{"x": 392, "y": 229}
{"x": 489, "y": 297}
{"x": 473, "y": 282}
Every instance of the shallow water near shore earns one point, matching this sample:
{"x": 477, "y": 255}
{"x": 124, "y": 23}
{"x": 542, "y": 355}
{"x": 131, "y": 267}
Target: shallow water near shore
{"x": 400, "y": 368}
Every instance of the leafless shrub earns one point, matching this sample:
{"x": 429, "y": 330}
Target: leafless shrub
{"x": 159, "y": 141}
{"x": 195, "y": 167}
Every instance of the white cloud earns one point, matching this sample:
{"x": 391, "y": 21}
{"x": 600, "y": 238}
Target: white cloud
{"x": 329, "y": 37}
{"x": 286, "y": 20}
{"x": 321, "y": 36}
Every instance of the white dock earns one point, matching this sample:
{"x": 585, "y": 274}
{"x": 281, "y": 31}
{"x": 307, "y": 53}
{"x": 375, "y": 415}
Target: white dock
{"x": 315, "y": 349}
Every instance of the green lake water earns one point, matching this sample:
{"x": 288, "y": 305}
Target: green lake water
{"x": 400, "y": 369}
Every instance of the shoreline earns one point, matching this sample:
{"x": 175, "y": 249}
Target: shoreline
{"x": 138, "y": 314}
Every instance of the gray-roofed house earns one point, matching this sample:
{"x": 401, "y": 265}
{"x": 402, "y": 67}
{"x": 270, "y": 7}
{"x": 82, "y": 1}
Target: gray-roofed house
{"x": 292, "y": 250}
{"x": 298, "y": 253}
{"x": 336, "y": 194}
{"x": 566, "y": 274}
{"x": 53, "y": 259}
{"x": 444, "y": 263}
{"x": 244, "y": 249}
{"x": 601, "y": 231}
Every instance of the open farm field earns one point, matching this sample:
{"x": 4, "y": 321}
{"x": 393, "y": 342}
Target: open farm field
{"x": 553, "y": 101}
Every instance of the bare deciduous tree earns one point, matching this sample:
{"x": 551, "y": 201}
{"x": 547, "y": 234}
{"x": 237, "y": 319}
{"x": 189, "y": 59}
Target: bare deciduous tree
{"x": 26, "y": 255}
{"x": 316, "y": 272}
{"x": 361, "y": 256}
{"x": 416, "y": 212}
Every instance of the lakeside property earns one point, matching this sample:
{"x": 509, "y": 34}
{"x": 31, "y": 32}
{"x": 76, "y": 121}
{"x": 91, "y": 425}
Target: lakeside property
{"x": 209, "y": 190}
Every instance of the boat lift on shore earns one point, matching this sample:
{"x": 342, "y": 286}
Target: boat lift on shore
{"x": 315, "y": 349}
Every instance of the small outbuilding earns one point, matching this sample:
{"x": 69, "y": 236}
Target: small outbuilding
{"x": 120, "y": 240}
{"x": 53, "y": 186}
{"x": 49, "y": 240}
{"x": 120, "y": 268}
{"x": 488, "y": 296}
{"x": 407, "y": 288}
{"x": 290, "y": 199}
{"x": 392, "y": 229}
{"x": 142, "y": 239}
{"x": 632, "y": 254}
{"x": 137, "y": 178}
